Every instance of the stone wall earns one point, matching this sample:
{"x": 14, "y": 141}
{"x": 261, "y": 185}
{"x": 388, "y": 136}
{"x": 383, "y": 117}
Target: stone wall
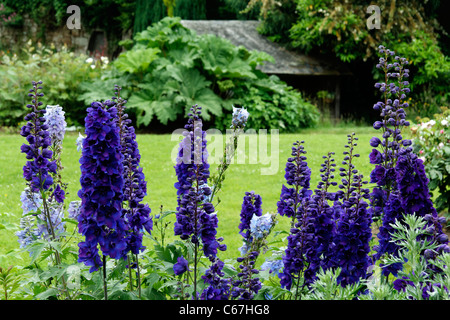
{"x": 75, "y": 39}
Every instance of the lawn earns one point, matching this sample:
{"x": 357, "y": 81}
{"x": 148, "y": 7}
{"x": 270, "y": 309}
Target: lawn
{"x": 156, "y": 151}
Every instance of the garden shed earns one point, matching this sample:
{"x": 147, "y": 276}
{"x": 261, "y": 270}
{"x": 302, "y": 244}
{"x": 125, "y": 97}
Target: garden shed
{"x": 307, "y": 73}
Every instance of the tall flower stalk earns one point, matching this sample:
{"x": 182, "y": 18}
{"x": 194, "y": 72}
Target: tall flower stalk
{"x": 238, "y": 122}
{"x": 324, "y": 220}
{"x": 100, "y": 219}
{"x": 254, "y": 228}
{"x": 297, "y": 175}
{"x": 394, "y": 89}
{"x": 196, "y": 218}
{"x": 353, "y": 221}
{"x": 55, "y": 120}
{"x": 39, "y": 172}
{"x": 401, "y": 183}
{"x": 134, "y": 211}
{"x": 294, "y": 204}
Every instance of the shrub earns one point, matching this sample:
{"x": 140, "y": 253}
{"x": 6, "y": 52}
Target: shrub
{"x": 432, "y": 144}
{"x": 170, "y": 68}
{"x": 407, "y": 27}
{"x": 61, "y": 70}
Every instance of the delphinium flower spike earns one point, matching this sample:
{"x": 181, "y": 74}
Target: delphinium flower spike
{"x": 394, "y": 89}
{"x": 324, "y": 224}
{"x": 40, "y": 167}
{"x": 254, "y": 228}
{"x": 135, "y": 185}
{"x": 401, "y": 183}
{"x": 39, "y": 171}
{"x": 251, "y": 205}
{"x": 55, "y": 120}
{"x": 238, "y": 122}
{"x": 136, "y": 213}
{"x": 196, "y": 218}
{"x": 294, "y": 203}
{"x": 353, "y": 223}
{"x": 100, "y": 219}
{"x": 415, "y": 198}
{"x": 297, "y": 176}
{"x": 219, "y": 286}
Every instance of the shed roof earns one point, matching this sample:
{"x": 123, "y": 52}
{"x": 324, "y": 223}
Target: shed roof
{"x": 244, "y": 32}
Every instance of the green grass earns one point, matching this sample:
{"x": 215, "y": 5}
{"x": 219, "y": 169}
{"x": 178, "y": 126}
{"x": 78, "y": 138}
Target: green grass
{"x": 158, "y": 167}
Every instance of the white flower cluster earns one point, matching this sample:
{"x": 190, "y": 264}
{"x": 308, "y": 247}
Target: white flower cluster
{"x": 102, "y": 62}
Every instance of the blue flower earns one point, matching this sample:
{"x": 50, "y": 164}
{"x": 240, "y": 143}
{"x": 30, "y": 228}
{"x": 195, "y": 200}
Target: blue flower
{"x": 260, "y": 226}
{"x": 297, "y": 175}
{"x": 74, "y": 209}
{"x": 375, "y": 142}
{"x": 375, "y": 157}
{"x": 181, "y": 266}
{"x": 378, "y": 176}
{"x": 218, "y": 285}
{"x": 100, "y": 219}
{"x": 196, "y": 219}
{"x": 59, "y": 194}
{"x": 136, "y": 213}
{"x": 31, "y": 201}
{"x": 274, "y": 266}
{"x": 239, "y": 117}
{"x": 251, "y": 206}
{"x": 55, "y": 120}
{"x": 38, "y": 169}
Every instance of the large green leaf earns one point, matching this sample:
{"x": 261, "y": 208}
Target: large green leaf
{"x": 148, "y": 106}
{"x": 223, "y": 59}
{"x": 193, "y": 88}
{"x": 136, "y": 60}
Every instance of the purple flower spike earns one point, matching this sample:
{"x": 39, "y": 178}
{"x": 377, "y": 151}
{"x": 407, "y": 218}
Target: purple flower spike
{"x": 100, "y": 219}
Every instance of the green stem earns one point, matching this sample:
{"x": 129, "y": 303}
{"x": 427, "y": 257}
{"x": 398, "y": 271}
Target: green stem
{"x": 130, "y": 275}
{"x": 105, "y": 288}
{"x": 138, "y": 276}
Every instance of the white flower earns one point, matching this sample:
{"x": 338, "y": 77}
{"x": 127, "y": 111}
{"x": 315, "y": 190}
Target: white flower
{"x": 79, "y": 142}
{"x": 89, "y": 60}
{"x": 105, "y": 60}
{"x": 444, "y": 122}
{"x": 441, "y": 145}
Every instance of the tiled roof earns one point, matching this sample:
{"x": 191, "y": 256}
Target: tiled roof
{"x": 244, "y": 32}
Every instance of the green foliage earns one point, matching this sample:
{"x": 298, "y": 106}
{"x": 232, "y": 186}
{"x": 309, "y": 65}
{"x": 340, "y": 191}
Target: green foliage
{"x": 277, "y": 18}
{"x": 112, "y": 16}
{"x": 326, "y": 287}
{"x": 152, "y": 11}
{"x": 62, "y": 72}
{"x": 339, "y": 28}
{"x": 432, "y": 143}
{"x": 8, "y": 17}
{"x": 241, "y": 10}
{"x": 170, "y": 68}
{"x": 9, "y": 282}
{"x": 136, "y": 61}
{"x": 416, "y": 267}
